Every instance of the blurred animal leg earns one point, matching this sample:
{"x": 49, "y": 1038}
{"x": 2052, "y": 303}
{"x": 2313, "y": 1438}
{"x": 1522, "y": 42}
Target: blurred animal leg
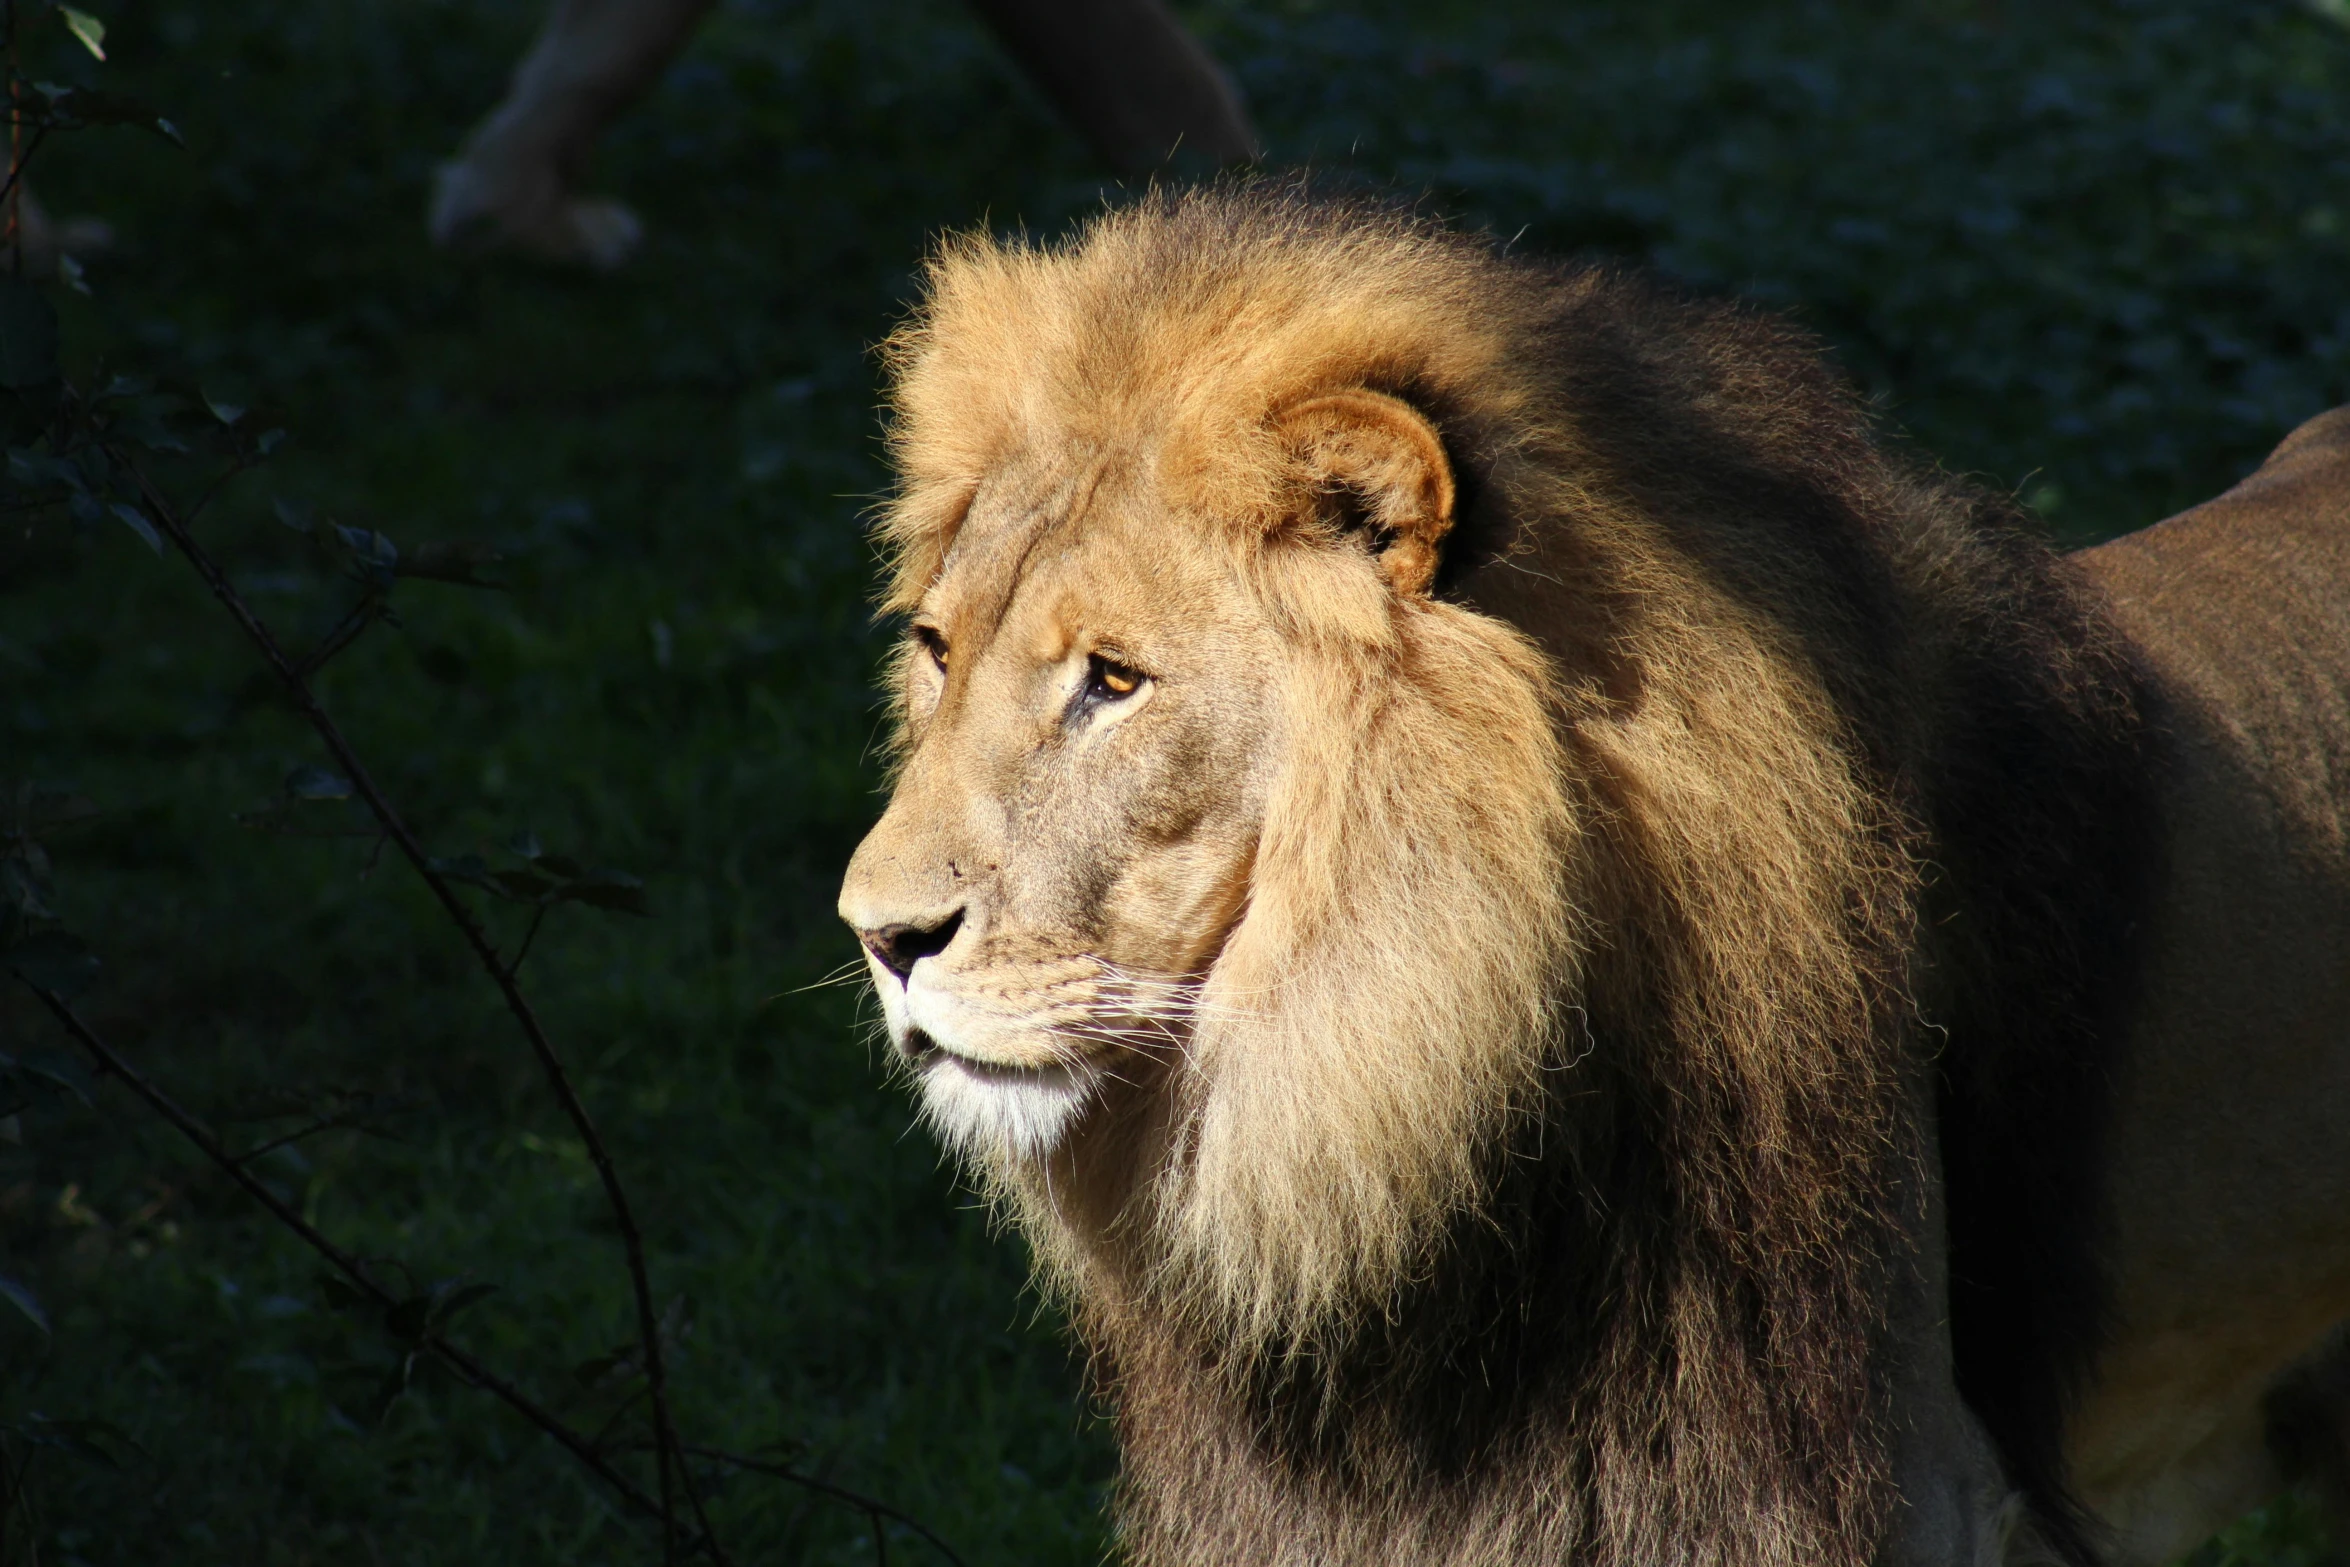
{"x": 1137, "y": 86}
{"x": 512, "y": 184}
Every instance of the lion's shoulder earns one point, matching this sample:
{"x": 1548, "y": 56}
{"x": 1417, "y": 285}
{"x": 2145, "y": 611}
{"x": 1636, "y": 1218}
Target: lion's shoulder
{"x": 2240, "y": 608}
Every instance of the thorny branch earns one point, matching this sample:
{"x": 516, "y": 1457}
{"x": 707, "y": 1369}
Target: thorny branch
{"x": 586, "y": 1449}
{"x": 875, "y": 1512}
{"x": 670, "y": 1453}
{"x": 667, "y": 1458}
{"x": 364, "y": 1280}
{"x": 341, "y": 1120}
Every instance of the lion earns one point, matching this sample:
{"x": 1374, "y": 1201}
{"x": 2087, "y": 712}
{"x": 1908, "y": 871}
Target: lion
{"x": 1561, "y": 955}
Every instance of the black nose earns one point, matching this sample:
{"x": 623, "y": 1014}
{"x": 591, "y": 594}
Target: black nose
{"x": 900, "y": 947}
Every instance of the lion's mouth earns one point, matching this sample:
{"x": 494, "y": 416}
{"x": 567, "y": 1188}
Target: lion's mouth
{"x": 990, "y": 1109}
{"x": 924, "y": 1050}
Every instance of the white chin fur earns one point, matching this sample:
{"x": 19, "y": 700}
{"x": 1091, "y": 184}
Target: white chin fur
{"x": 988, "y": 1112}
{"x": 982, "y": 1112}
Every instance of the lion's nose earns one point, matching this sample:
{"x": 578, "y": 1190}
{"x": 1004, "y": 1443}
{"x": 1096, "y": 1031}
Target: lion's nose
{"x": 900, "y": 947}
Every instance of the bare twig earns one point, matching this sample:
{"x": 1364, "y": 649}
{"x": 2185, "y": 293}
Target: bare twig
{"x": 12, "y": 191}
{"x": 666, "y": 1461}
{"x": 204, "y": 498}
{"x": 353, "y": 1120}
{"x": 361, "y": 1276}
{"x": 537, "y": 917}
{"x": 18, "y": 154}
{"x": 346, "y": 631}
{"x": 874, "y": 1509}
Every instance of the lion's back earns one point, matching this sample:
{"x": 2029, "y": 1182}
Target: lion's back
{"x": 2230, "y": 1174}
{"x": 2243, "y": 607}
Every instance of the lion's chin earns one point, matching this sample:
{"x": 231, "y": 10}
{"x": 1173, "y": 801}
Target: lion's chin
{"x": 988, "y": 1113}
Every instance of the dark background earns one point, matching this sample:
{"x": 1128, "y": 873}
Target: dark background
{"x": 2093, "y": 252}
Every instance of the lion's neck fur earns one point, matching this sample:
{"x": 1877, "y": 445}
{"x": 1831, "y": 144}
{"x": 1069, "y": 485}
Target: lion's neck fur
{"x": 1540, "y": 1106}
{"x": 1548, "y": 1133}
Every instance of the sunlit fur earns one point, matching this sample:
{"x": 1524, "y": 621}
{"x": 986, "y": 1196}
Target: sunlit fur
{"x": 1524, "y": 1177}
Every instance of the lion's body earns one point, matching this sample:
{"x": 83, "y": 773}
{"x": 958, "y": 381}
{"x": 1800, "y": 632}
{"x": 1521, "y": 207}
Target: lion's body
{"x": 2230, "y": 1163}
{"x": 1538, "y": 933}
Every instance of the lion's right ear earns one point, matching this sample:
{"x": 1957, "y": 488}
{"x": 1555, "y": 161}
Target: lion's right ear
{"x": 1384, "y": 455}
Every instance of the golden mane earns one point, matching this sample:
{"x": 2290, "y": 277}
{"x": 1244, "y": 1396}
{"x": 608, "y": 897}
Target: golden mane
{"x": 1566, "y": 1037}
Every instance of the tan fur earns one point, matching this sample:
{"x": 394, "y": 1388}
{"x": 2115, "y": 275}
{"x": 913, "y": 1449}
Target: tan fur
{"x": 2231, "y": 1161}
{"x": 1447, "y": 1012}
{"x": 1436, "y": 825}
{"x": 1316, "y": 1160}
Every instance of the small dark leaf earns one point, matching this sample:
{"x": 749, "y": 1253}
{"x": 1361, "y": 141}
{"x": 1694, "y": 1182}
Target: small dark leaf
{"x": 524, "y": 845}
{"x": 614, "y": 890}
{"x": 90, "y": 1439}
{"x": 589, "y": 1372}
{"x": 408, "y": 1320}
{"x": 50, "y": 1070}
{"x": 40, "y": 471}
{"x": 374, "y": 558}
{"x": 55, "y": 962}
{"x": 142, "y": 429}
{"x": 470, "y": 868}
{"x": 457, "y": 1300}
{"x": 70, "y": 106}
{"x": 295, "y": 515}
{"x": 28, "y": 336}
{"x": 615, "y": 1364}
{"x": 316, "y": 783}
{"x": 388, "y": 1392}
{"x": 225, "y": 412}
{"x": 24, "y": 1300}
{"x": 459, "y": 561}
{"x": 139, "y": 524}
{"x": 523, "y": 886}
{"x": 269, "y": 440}
{"x": 23, "y": 892}
{"x": 341, "y": 1294}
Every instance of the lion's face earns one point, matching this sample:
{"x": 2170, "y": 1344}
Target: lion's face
{"x": 1083, "y": 691}
{"x": 1183, "y": 913}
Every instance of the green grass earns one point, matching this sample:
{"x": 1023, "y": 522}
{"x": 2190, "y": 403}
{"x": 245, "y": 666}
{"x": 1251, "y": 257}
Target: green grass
{"x": 2093, "y": 253}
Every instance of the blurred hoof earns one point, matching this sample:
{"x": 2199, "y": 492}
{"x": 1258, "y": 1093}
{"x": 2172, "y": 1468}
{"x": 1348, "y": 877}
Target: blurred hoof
{"x": 474, "y": 210}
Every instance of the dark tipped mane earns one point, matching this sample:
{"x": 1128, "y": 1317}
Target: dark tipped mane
{"x": 1855, "y": 756}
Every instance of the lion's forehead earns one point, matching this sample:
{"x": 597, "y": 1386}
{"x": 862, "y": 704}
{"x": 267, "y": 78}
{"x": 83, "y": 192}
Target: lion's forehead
{"x": 1046, "y": 557}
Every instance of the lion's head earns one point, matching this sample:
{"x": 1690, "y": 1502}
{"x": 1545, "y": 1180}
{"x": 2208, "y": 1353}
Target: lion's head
{"x": 1210, "y": 814}
{"x": 1408, "y": 874}
{"x": 1233, "y": 903}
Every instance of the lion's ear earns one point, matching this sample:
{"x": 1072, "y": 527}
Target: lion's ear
{"x": 1385, "y": 455}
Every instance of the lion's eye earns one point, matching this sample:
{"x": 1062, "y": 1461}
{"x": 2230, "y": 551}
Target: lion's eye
{"x": 934, "y": 644}
{"x": 1107, "y": 680}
